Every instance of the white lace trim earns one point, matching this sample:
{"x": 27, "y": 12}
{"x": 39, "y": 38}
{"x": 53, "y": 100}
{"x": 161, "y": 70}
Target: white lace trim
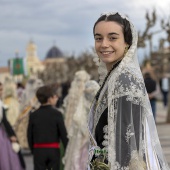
{"x": 105, "y": 142}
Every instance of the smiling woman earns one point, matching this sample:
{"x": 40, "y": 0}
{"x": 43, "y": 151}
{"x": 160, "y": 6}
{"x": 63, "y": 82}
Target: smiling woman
{"x": 122, "y": 130}
{"x": 109, "y": 42}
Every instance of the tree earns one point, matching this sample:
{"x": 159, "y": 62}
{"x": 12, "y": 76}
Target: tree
{"x": 145, "y": 35}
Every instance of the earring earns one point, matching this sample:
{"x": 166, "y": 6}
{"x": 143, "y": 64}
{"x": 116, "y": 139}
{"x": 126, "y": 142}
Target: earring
{"x": 126, "y": 50}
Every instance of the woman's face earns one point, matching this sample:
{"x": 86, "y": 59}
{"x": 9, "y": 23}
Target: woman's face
{"x": 109, "y": 42}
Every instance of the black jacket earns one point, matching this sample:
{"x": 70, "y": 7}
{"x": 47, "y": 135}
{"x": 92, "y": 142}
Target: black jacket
{"x": 150, "y": 85}
{"x": 46, "y": 125}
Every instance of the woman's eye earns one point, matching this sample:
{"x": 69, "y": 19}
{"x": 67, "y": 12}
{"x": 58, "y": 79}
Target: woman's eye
{"x": 112, "y": 38}
{"x": 98, "y": 38}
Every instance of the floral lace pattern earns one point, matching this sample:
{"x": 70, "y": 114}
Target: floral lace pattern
{"x": 129, "y": 133}
{"x": 118, "y": 167}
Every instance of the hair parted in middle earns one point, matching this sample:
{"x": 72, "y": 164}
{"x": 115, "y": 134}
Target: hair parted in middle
{"x": 122, "y": 21}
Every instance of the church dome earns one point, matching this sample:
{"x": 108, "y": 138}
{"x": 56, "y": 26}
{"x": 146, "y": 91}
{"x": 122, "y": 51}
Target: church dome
{"x": 54, "y": 52}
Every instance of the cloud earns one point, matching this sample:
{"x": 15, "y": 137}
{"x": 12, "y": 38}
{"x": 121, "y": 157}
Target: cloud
{"x": 68, "y": 23}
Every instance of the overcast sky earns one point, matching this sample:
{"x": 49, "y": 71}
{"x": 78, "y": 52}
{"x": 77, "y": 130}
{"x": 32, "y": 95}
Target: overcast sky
{"x": 67, "y": 23}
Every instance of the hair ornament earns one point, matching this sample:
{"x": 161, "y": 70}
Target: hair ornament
{"x": 113, "y": 13}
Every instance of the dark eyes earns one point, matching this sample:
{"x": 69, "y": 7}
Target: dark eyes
{"x": 112, "y": 38}
{"x": 100, "y": 38}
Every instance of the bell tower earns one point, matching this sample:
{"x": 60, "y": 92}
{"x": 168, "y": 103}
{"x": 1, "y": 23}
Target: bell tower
{"x": 33, "y": 61}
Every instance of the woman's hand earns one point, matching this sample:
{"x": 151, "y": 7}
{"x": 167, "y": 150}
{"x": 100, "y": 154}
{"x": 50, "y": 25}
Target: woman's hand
{"x": 13, "y": 139}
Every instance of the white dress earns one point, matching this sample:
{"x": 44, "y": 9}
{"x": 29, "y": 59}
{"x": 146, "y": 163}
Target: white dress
{"x": 77, "y": 149}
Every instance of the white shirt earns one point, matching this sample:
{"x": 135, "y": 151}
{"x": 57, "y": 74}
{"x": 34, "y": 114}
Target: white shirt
{"x": 165, "y": 84}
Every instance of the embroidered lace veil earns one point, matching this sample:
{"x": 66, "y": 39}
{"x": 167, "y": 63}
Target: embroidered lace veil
{"x": 132, "y": 139}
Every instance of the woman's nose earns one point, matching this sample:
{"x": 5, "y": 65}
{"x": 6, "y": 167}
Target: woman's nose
{"x": 105, "y": 43}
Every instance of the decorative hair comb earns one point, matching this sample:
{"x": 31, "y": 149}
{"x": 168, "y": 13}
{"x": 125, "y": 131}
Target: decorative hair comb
{"x": 113, "y": 13}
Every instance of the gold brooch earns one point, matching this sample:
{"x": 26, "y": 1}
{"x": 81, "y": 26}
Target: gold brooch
{"x": 97, "y": 165}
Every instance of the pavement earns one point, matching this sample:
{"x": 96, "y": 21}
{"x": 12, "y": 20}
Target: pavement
{"x": 163, "y": 132}
{"x": 28, "y": 159}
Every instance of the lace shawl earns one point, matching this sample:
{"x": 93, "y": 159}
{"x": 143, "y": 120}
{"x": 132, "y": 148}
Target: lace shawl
{"x": 133, "y": 142}
{"x": 71, "y": 101}
{"x": 77, "y": 149}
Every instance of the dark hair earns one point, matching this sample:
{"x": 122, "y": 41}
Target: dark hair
{"x": 20, "y": 85}
{"x": 44, "y": 93}
{"x": 147, "y": 75}
{"x": 123, "y": 22}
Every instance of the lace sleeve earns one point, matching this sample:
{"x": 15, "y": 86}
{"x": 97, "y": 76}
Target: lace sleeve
{"x": 128, "y": 128}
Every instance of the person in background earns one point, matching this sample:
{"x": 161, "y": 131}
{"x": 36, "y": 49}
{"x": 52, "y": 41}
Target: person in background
{"x": 164, "y": 84}
{"x": 29, "y": 103}
{"x": 11, "y": 101}
{"x": 20, "y": 91}
{"x": 152, "y": 90}
{"x": 10, "y": 154}
{"x": 74, "y": 94}
{"x": 45, "y": 130}
{"x": 77, "y": 150}
{"x": 64, "y": 91}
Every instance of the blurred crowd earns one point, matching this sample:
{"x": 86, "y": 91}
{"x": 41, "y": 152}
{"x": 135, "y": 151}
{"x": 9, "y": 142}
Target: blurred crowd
{"x": 20, "y": 104}
{"x": 71, "y": 102}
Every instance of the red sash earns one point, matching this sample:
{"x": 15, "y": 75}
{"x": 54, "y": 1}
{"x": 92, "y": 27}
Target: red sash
{"x": 47, "y": 145}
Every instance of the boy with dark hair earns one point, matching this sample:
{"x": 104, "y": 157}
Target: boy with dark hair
{"x": 45, "y": 129}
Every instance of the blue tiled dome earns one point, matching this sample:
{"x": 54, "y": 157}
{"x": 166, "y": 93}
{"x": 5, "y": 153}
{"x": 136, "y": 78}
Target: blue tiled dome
{"x": 54, "y": 52}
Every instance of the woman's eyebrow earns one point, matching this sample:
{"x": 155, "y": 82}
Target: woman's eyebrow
{"x": 97, "y": 34}
{"x": 113, "y": 33}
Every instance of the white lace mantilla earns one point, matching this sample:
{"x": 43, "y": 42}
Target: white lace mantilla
{"x": 130, "y": 119}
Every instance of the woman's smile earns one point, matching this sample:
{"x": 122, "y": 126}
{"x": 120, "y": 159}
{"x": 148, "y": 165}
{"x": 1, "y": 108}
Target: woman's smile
{"x": 106, "y": 52}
